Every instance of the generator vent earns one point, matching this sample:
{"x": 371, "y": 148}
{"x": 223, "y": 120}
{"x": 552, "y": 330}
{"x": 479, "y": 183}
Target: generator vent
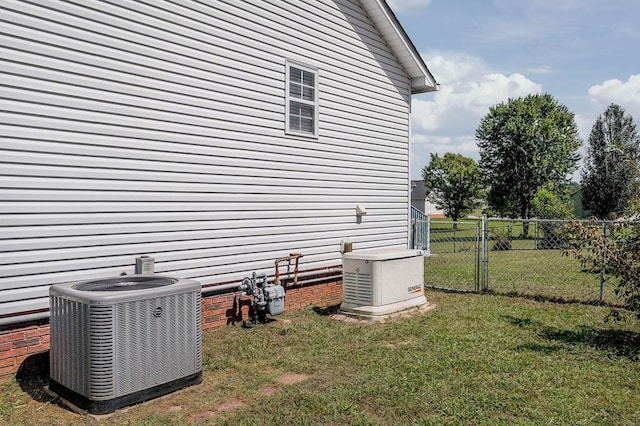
{"x": 357, "y": 288}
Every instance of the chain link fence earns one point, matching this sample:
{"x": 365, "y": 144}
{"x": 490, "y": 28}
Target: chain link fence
{"x": 527, "y": 258}
{"x": 453, "y": 261}
{"x": 515, "y": 257}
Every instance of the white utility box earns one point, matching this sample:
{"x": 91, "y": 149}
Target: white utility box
{"x": 384, "y": 282}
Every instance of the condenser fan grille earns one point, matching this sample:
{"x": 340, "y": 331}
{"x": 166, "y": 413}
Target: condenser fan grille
{"x": 125, "y": 283}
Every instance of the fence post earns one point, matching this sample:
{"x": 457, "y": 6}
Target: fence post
{"x": 604, "y": 260}
{"x": 412, "y": 236}
{"x": 428, "y": 236}
{"x": 485, "y": 253}
{"x": 476, "y": 268}
{"x": 455, "y": 225}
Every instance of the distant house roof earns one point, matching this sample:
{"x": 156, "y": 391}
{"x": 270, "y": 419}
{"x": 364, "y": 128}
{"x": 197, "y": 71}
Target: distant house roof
{"x": 383, "y": 18}
{"x": 418, "y": 190}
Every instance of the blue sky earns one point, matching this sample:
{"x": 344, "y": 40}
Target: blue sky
{"x": 586, "y": 53}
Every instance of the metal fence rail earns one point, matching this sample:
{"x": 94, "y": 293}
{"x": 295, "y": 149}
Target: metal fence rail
{"x": 515, "y": 257}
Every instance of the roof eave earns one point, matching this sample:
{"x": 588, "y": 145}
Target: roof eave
{"x": 423, "y": 85}
{"x": 422, "y": 80}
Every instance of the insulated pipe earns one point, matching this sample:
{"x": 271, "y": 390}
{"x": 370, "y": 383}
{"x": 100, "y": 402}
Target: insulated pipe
{"x": 238, "y": 286}
{"x": 330, "y": 271}
{"x": 24, "y": 318}
{"x": 219, "y": 288}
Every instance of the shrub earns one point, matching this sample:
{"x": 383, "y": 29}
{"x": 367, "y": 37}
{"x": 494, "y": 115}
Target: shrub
{"x": 613, "y": 252}
{"x": 501, "y": 239}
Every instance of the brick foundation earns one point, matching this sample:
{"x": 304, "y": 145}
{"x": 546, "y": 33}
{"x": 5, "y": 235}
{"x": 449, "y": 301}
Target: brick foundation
{"x": 21, "y": 341}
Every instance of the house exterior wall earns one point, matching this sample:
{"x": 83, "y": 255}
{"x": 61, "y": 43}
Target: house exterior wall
{"x": 157, "y": 128}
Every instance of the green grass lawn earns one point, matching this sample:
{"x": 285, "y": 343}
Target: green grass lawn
{"x": 474, "y": 359}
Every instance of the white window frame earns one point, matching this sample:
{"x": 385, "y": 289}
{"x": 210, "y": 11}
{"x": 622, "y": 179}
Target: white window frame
{"x": 289, "y": 99}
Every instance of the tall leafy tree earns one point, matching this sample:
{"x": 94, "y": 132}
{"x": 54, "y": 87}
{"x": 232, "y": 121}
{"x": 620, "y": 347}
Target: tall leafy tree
{"x": 609, "y": 176}
{"x": 454, "y": 183}
{"x": 526, "y": 144}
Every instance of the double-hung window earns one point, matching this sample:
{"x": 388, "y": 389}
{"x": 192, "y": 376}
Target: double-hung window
{"x": 302, "y": 100}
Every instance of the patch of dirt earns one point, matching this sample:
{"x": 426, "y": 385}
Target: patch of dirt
{"x": 228, "y": 405}
{"x": 203, "y": 416}
{"x": 268, "y": 390}
{"x": 290, "y": 379}
{"x": 347, "y": 318}
{"x": 285, "y": 379}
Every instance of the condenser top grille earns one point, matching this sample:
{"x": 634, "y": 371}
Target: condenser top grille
{"x": 125, "y": 283}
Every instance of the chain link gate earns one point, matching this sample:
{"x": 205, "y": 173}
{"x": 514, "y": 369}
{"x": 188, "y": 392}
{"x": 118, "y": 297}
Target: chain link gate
{"x": 453, "y": 261}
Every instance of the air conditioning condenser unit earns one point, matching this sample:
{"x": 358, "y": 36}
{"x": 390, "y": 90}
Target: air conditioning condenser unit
{"x": 384, "y": 282}
{"x": 120, "y": 341}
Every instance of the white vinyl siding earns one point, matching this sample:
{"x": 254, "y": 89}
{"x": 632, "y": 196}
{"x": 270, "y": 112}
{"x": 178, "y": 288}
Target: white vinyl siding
{"x": 157, "y": 128}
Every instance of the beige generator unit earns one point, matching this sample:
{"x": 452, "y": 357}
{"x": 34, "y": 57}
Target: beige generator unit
{"x": 123, "y": 340}
{"x": 379, "y": 283}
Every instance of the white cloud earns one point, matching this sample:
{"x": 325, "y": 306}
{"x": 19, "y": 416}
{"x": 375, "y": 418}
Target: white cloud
{"x": 461, "y": 105}
{"x": 404, "y": 6}
{"x": 445, "y": 121}
{"x": 626, "y": 94}
{"x": 467, "y": 91}
{"x": 450, "y": 67}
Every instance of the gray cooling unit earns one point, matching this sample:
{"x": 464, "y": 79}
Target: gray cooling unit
{"x": 119, "y": 341}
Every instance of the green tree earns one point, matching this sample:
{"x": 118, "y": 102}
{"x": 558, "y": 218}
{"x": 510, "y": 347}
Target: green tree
{"x": 454, "y": 183}
{"x": 550, "y": 204}
{"x": 609, "y": 175}
{"x": 526, "y": 144}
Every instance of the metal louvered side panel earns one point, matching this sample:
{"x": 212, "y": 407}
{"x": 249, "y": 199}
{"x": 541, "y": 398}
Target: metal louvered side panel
{"x": 198, "y": 324}
{"x": 157, "y": 341}
{"x": 69, "y": 353}
{"x": 357, "y": 288}
{"x": 101, "y": 357}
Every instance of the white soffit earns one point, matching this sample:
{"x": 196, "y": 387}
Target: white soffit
{"x": 383, "y": 18}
